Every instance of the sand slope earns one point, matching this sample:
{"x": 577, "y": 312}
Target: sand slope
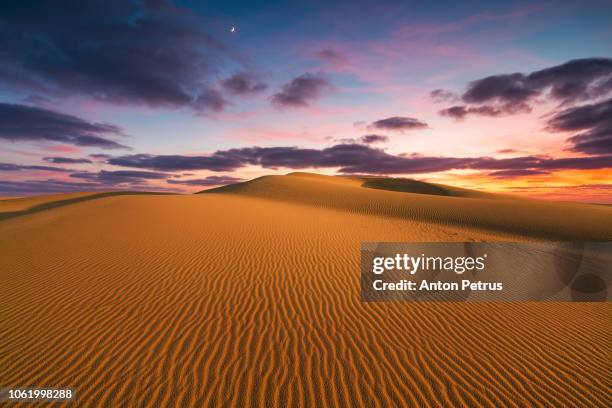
{"x": 250, "y": 296}
{"x": 438, "y": 204}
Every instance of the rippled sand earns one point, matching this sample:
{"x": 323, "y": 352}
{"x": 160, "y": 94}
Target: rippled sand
{"x": 249, "y": 295}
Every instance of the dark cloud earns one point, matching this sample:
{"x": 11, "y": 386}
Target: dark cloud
{"x": 505, "y": 89}
{"x": 219, "y": 161}
{"x": 442, "y": 95}
{"x": 578, "y": 79}
{"x": 398, "y": 123}
{"x": 48, "y": 186}
{"x": 577, "y": 163}
{"x": 19, "y": 167}
{"x": 111, "y": 178}
{"x": 593, "y": 122}
{"x": 243, "y": 83}
{"x": 574, "y": 80}
{"x": 65, "y": 160}
{"x": 139, "y": 52}
{"x": 28, "y": 123}
{"x": 100, "y": 156}
{"x": 208, "y": 181}
{"x": 508, "y": 94}
{"x": 365, "y": 139}
{"x": 210, "y": 100}
{"x": 371, "y": 139}
{"x": 43, "y": 186}
{"x": 459, "y": 112}
{"x": 352, "y": 159}
{"x": 301, "y": 91}
{"x": 332, "y": 56}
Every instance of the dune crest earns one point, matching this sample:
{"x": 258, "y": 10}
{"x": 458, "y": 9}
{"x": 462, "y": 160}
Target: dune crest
{"x": 424, "y": 202}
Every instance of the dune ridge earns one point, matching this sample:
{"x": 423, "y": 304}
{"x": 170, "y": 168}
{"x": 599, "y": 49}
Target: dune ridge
{"x": 249, "y": 296}
{"x": 433, "y": 203}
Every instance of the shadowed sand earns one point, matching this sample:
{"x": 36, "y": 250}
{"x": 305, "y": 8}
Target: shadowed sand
{"x": 249, "y": 294}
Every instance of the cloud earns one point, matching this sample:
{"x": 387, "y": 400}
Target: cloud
{"x": 508, "y": 94}
{"x": 505, "y": 89}
{"x": 371, "y": 139}
{"x": 28, "y": 123}
{"x": 208, "y": 181}
{"x": 19, "y": 167}
{"x": 243, "y": 83}
{"x": 442, "y": 95}
{"x": 100, "y": 156}
{"x": 48, "y": 186}
{"x": 592, "y": 121}
{"x": 398, "y": 123}
{"x": 43, "y": 186}
{"x": 210, "y": 100}
{"x": 352, "y": 159}
{"x": 301, "y": 91}
{"x": 365, "y": 139}
{"x": 219, "y": 161}
{"x": 578, "y": 79}
{"x": 331, "y": 56}
{"x": 65, "y": 160}
{"x": 111, "y": 178}
{"x": 151, "y": 53}
{"x": 459, "y": 112}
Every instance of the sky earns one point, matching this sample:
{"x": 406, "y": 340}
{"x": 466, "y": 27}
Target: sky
{"x": 509, "y": 97}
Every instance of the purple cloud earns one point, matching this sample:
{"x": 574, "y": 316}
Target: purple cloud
{"x": 112, "y": 178}
{"x": 219, "y": 161}
{"x": 65, "y": 160}
{"x": 210, "y": 100}
{"x": 208, "y": 181}
{"x": 398, "y": 123}
{"x": 371, "y": 139}
{"x": 100, "y": 156}
{"x": 459, "y": 112}
{"x": 443, "y": 95}
{"x": 19, "y": 167}
{"x": 506, "y": 89}
{"x": 43, "y": 186}
{"x": 301, "y": 91}
{"x": 352, "y": 159}
{"x": 28, "y": 123}
{"x": 593, "y": 122}
{"x": 243, "y": 83}
{"x": 508, "y": 94}
{"x": 151, "y": 53}
{"x": 332, "y": 56}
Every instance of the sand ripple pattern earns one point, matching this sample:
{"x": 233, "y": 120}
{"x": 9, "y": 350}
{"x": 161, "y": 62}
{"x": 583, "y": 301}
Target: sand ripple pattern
{"x": 230, "y": 300}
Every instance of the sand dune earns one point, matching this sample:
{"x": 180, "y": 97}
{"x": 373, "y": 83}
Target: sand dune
{"x": 249, "y": 295}
{"x": 438, "y": 204}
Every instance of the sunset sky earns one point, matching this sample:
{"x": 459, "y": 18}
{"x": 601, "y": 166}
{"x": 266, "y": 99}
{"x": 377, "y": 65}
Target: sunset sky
{"x": 164, "y": 96}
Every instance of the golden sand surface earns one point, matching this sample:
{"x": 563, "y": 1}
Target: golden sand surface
{"x": 249, "y": 295}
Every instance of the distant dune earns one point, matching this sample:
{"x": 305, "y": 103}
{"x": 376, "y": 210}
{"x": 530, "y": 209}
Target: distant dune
{"x": 443, "y": 205}
{"x": 249, "y": 295}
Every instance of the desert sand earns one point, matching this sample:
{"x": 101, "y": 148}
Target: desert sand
{"x": 249, "y": 295}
